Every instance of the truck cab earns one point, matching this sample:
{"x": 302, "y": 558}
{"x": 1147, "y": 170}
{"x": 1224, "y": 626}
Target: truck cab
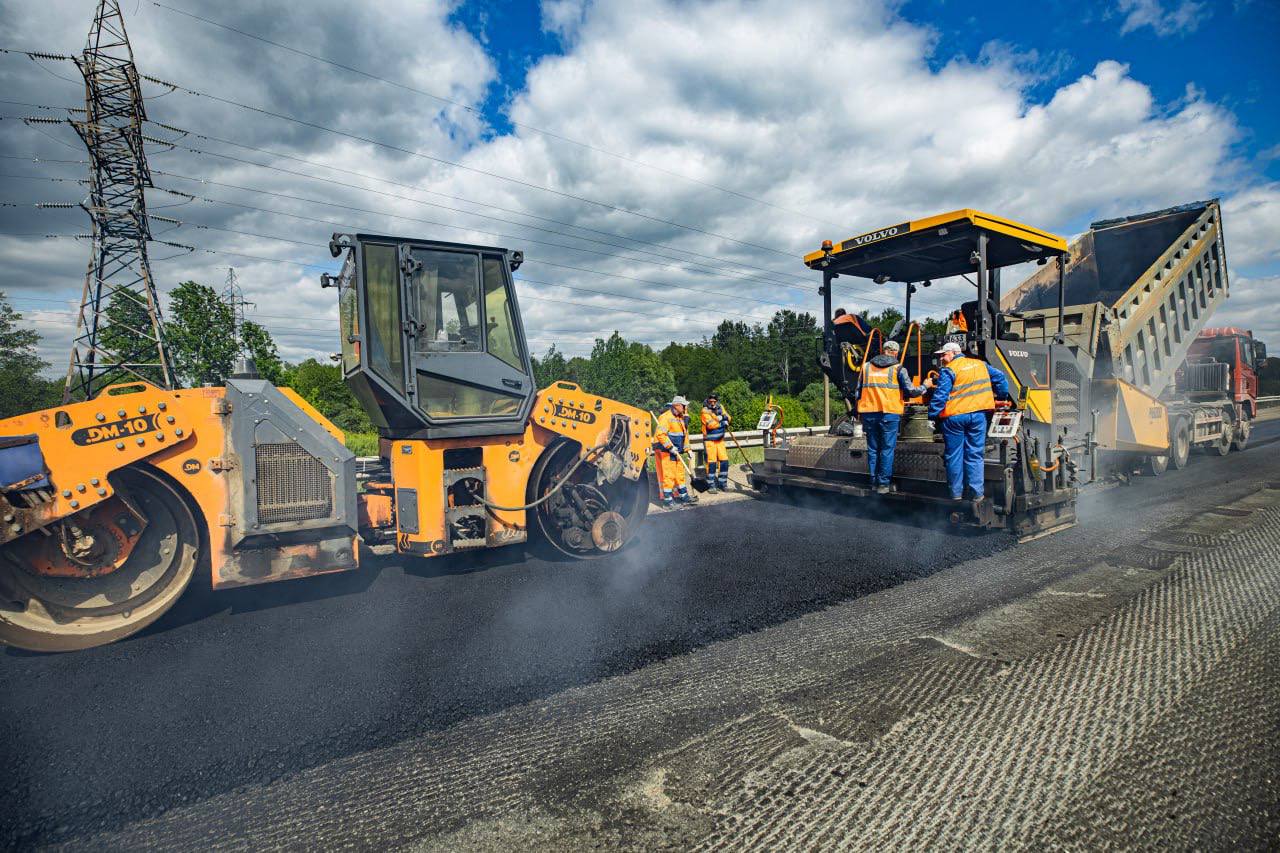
{"x": 1244, "y": 356}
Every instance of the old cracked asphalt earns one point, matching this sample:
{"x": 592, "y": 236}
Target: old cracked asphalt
{"x": 619, "y": 702}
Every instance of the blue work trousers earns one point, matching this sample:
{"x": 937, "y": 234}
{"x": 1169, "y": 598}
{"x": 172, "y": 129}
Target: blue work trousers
{"x": 881, "y": 429}
{"x": 964, "y": 442}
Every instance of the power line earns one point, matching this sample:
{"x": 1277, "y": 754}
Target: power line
{"x": 174, "y": 144}
{"x": 333, "y": 320}
{"x": 432, "y": 158}
{"x": 725, "y": 273}
{"x": 403, "y": 185}
{"x": 399, "y": 197}
{"x": 480, "y": 113}
{"x": 527, "y": 260}
{"x": 346, "y": 226}
{"x": 595, "y": 307}
{"x": 683, "y": 265}
{"x": 805, "y": 287}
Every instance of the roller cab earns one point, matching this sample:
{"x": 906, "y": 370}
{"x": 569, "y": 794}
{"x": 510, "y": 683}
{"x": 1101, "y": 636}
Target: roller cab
{"x": 473, "y": 455}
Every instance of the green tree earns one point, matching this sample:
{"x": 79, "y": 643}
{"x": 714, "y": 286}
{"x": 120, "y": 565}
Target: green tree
{"x": 697, "y": 368}
{"x": 322, "y": 386}
{"x": 199, "y": 333}
{"x": 262, "y": 349}
{"x": 745, "y": 406}
{"x": 791, "y": 343}
{"x": 628, "y": 372}
{"x": 736, "y": 398}
{"x": 22, "y": 388}
{"x": 812, "y": 398}
{"x": 552, "y": 367}
{"x": 127, "y": 332}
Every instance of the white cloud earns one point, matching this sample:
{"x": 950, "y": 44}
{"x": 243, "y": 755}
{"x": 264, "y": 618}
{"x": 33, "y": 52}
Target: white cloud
{"x": 1251, "y": 222}
{"x": 563, "y": 17}
{"x": 1177, "y": 18}
{"x": 749, "y": 96}
{"x": 1252, "y": 305}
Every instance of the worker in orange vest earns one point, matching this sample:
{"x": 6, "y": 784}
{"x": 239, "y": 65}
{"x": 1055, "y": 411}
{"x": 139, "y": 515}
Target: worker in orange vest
{"x": 883, "y": 389}
{"x": 669, "y": 445}
{"x": 964, "y": 396}
{"x": 715, "y": 422}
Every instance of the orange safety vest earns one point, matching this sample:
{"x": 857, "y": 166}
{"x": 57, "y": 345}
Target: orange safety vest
{"x": 971, "y": 390}
{"x": 880, "y": 390}
{"x": 671, "y": 430}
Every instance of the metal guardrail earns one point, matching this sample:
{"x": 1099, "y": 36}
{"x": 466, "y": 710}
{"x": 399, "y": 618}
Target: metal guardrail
{"x": 1273, "y": 400}
{"x": 753, "y": 438}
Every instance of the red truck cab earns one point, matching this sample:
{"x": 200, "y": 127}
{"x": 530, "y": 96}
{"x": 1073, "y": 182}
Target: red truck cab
{"x": 1245, "y": 356}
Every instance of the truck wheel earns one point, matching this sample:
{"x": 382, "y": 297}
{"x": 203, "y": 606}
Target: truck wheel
{"x": 1243, "y": 428}
{"x": 1223, "y": 445}
{"x": 1180, "y": 445}
{"x": 1154, "y": 466}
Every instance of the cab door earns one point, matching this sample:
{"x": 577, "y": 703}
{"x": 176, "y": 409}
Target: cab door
{"x": 469, "y": 366}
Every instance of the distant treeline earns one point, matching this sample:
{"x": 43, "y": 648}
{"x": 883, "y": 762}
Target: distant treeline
{"x": 744, "y": 364}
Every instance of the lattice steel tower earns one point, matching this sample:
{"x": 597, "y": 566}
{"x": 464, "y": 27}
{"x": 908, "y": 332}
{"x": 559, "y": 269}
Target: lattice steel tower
{"x": 233, "y": 296}
{"x": 117, "y": 207}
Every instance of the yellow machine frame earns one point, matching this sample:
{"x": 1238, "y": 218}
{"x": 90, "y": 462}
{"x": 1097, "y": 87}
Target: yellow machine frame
{"x": 562, "y": 410}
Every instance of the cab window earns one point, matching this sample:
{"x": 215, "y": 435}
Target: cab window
{"x": 500, "y": 323}
{"x": 442, "y": 398}
{"x": 348, "y": 321}
{"x": 382, "y": 294}
{"x": 447, "y": 288}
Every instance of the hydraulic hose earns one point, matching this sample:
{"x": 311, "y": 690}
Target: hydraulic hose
{"x": 563, "y": 481}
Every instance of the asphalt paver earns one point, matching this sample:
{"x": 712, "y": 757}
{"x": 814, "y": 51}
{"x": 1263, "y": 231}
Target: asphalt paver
{"x": 655, "y": 697}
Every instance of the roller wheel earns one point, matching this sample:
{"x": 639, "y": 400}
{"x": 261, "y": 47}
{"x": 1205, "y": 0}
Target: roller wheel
{"x": 583, "y": 520}
{"x": 52, "y": 611}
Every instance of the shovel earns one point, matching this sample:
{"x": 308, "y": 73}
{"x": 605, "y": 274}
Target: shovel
{"x": 745, "y": 467}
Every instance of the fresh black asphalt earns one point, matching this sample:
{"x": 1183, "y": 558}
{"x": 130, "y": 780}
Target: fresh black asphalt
{"x": 241, "y": 687}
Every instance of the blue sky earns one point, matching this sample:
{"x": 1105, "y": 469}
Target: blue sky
{"x": 1228, "y": 50}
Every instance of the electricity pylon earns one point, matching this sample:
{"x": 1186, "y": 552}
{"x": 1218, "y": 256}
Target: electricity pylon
{"x": 112, "y": 131}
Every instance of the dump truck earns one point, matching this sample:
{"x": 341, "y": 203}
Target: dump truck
{"x": 1093, "y": 344}
{"x": 112, "y": 505}
{"x": 1140, "y": 290}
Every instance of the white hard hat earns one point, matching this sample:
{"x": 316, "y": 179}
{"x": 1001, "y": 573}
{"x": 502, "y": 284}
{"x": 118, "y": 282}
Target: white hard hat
{"x": 891, "y": 345}
{"x": 677, "y": 400}
{"x": 949, "y": 346}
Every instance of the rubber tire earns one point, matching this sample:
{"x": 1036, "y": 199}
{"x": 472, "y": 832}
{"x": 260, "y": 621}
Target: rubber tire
{"x": 1154, "y": 466}
{"x": 150, "y": 489}
{"x": 1179, "y": 444}
{"x": 1241, "y": 439}
{"x": 1223, "y": 445}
